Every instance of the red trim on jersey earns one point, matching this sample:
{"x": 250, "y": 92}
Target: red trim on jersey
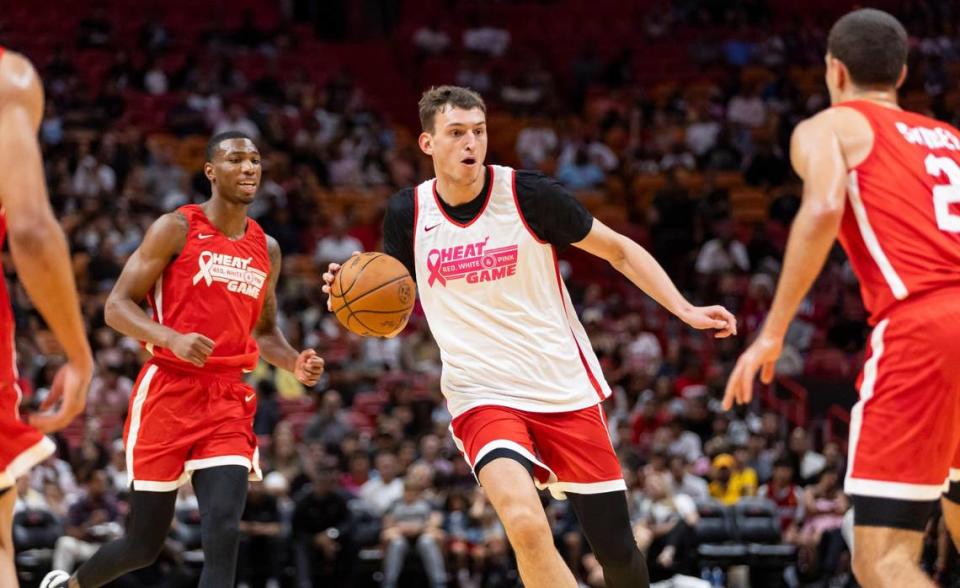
{"x": 436, "y": 197}
{"x": 1, "y": 52}
{"x": 516, "y": 201}
{"x": 583, "y": 358}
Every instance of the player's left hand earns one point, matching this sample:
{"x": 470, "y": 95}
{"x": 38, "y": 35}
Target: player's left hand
{"x": 762, "y": 353}
{"x": 711, "y": 317}
{"x": 69, "y": 389}
{"x": 309, "y": 367}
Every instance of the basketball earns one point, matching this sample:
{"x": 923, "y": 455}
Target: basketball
{"x": 372, "y": 295}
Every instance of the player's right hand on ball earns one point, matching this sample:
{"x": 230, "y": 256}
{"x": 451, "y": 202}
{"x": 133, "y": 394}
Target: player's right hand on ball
{"x": 69, "y": 387}
{"x": 192, "y": 347}
{"x": 328, "y": 276}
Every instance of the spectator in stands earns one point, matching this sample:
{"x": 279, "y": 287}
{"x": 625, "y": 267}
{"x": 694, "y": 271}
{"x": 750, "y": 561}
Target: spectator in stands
{"x": 671, "y": 218}
{"x": 485, "y": 39}
{"x": 95, "y": 30}
{"x": 336, "y": 246}
{"x": 93, "y": 178}
{"x": 807, "y": 463}
{"x": 357, "y": 474}
{"x": 109, "y": 391}
{"x": 747, "y": 109}
{"x": 536, "y": 142}
{"x": 260, "y": 546}
{"x": 824, "y": 505}
{"x": 683, "y": 442}
{"x": 724, "y": 253}
{"x": 91, "y": 521}
{"x": 385, "y": 488}
{"x": 430, "y": 455}
{"x": 329, "y": 425}
{"x": 787, "y": 496}
{"x": 56, "y": 499}
{"x": 581, "y": 173}
{"x": 284, "y": 456}
{"x": 413, "y": 521}
{"x": 683, "y": 482}
{"x": 472, "y": 74}
{"x": 320, "y": 532}
{"x": 431, "y": 40}
{"x": 155, "y": 80}
{"x": 237, "y": 120}
{"x": 767, "y": 166}
{"x": 730, "y": 482}
{"x": 165, "y": 180}
{"x": 268, "y": 410}
{"x": 117, "y": 468}
{"x": 27, "y": 497}
{"x": 663, "y": 527}
{"x": 58, "y": 473}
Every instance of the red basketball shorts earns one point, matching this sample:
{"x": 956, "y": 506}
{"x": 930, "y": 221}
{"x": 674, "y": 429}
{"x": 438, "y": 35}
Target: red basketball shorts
{"x": 905, "y": 430}
{"x": 570, "y": 451}
{"x": 21, "y": 446}
{"x": 182, "y": 421}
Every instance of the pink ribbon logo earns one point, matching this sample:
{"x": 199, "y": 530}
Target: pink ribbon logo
{"x": 435, "y": 267}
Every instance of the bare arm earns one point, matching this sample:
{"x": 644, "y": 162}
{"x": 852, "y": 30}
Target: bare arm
{"x": 37, "y": 243}
{"x": 274, "y": 348}
{"x": 818, "y": 159}
{"x": 122, "y": 310}
{"x": 634, "y": 262}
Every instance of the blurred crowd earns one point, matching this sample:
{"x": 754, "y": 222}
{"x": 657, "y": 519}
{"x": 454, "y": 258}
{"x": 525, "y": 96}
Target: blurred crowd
{"x": 362, "y": 480}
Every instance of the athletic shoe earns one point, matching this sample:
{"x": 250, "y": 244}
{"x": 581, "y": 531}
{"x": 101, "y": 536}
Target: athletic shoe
{"x": 56, "y": 579}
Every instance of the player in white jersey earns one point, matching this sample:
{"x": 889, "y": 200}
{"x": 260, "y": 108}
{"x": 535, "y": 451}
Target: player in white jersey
{"x": 519, "y": 374}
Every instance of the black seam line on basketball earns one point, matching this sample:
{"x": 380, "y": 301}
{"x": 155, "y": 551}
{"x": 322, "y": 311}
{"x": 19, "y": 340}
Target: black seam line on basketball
{"x": 383, "y": 285}
{"x": 359, "y": 271}
{"x": 354, "y": 316}
{"x": 383, "y": 311}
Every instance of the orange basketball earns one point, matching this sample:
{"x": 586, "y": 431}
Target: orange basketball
{"x": 373, "y": 294}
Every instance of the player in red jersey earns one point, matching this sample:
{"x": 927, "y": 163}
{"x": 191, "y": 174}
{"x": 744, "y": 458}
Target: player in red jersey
{"x": 887, "y": 182}
{"x": 209, "y": 273}
{"x": 40, "y": 254}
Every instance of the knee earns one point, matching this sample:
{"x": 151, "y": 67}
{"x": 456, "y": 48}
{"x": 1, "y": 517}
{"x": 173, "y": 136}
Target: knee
{"x": 426, "y": 541}
{"x": 527, "y": 528}
{"x": 397, "y": 542}
{"x": 875, "y": 569}
{"x": 144, "y": 552}
{"x": 224, "y": 523}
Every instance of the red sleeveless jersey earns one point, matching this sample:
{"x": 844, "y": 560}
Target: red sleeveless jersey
{"x": 214, "y": 287}
{"x": 8, "y": 356}
{"x": 901, "y": 226}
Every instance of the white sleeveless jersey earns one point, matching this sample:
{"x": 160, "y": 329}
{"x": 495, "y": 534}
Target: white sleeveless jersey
{"x": 498, "y": 309}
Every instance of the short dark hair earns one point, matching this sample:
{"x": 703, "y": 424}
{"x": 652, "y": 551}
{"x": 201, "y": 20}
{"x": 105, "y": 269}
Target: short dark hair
{"x": 873, "y": 46}
{"x": 214, "y": 143}
{"x": 436, "y": 98}
{"x": 782, "y": 462}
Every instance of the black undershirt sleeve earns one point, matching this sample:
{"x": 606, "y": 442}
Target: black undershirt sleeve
{"x": 552, "y": 212}
{"x": 398, "y": 229}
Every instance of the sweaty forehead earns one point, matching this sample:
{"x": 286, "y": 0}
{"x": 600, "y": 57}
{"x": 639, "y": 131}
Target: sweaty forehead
{"x": 237, "y": 146}
{"x": 452, "y": 115}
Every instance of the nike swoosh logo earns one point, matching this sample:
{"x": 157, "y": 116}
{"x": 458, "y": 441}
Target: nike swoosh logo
{"x": 428, "y": 229}
{"x": 202, "y": 236}
{"x": 249, "y": 397}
